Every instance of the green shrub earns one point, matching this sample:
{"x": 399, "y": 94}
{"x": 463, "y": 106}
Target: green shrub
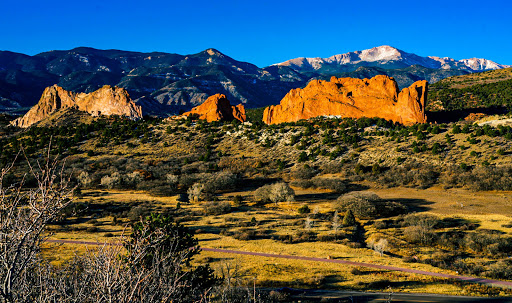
{"x": 304, "y": 210}
{"x": 349, "y": 219}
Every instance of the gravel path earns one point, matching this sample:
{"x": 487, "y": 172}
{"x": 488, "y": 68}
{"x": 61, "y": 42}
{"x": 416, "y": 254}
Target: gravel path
{"x": 345, "y": 262}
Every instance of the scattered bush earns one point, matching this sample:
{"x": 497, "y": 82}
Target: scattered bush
{"x": 368, "y": 205}
{"x": 84, "y": 180}
{"x": 277, "y": 192}
{"x": 195, "y": 192}
{"x": 111, "y": 181}
{"x": 380, "y": 224}
{"x": 304, "y": 210}
{"x": 349, "y": 219}
{"x": 304, "y": 172}
{"x": 138, "y": 212}
{"x": 238, "y": 200}
{"x": 420, "y": 228}
{"x": 217, "y": 207}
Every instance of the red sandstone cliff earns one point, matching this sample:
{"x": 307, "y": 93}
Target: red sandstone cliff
{"x": 105, "y": 101}
{"x": 352, "y": 98}
{"x": 217, "y": 108}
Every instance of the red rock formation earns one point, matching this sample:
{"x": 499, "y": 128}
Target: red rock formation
{"x": 217, "y": 108}
{"x": 352, "y": 98}
{"x": 475, "y": 116}
{"x": 105, "y": 101}
{"x": 239, "y": 113}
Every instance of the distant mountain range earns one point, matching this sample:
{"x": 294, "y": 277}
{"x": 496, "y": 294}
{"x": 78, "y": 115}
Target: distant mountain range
{"x": 389, "y": 58}
{"x": 164, "y": 83}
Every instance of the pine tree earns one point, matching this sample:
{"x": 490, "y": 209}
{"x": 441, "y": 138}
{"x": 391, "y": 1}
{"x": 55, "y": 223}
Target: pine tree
{"x": 349, "y": 219}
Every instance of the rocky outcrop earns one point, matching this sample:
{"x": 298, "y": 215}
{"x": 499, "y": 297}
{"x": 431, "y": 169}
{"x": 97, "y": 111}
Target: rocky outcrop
{"x": 107, "y": 100}
{"x": 475, "y": 116}
{"x": 218, "y": 108}
{"x": 352, "y": 98}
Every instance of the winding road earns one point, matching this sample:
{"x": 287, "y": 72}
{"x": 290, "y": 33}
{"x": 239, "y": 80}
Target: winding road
{"x": 313, "y": 259}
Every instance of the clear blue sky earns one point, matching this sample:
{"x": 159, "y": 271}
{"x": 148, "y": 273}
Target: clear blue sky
{"x": 262, "y": 32}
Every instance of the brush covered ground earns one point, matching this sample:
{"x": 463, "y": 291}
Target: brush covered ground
{"x": 433, "y": 197}
{"x": 485, "y": 90}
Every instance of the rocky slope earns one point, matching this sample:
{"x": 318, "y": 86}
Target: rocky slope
{"x": 218, "y": 108}
{"x": 107, "y": 100}
{"x": 353, "y": 98}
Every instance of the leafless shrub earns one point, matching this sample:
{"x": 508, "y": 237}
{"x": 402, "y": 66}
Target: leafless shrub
{"x": 277, "y": 192}
{"x": 305, "y": 172}
{"x": 336, "y": 223}
{"x": 111, "y": 181}
{"x": 217, "y": 207}
{"x": 491, "y": 178}
{"x": 362, "y": 204}
{"x": 220, "y": 181}
{"x": 368, "y": 205}
{"x": 24, "y": 214}
{"x": 420, "y": 228}
{"x": 336, "y": 185}
{"x": 195, "y": 192}
{"x": 411, "y": 174}
{"x": 281, "y": 192}
{"x": 132, "y": 179}
{"x": 172, "y": 179}
{"x": 381, "y": 246}
{"x": 84, "y": 180}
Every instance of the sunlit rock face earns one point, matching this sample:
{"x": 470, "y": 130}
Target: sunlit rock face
{"x": 218, "y": 108}
{"x": 107, "y": 100}
{"x": 352, "y": 98}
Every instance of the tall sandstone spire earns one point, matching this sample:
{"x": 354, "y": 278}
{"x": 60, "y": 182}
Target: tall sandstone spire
{"x": 107, "y": 100}
{"x": 352, "y": 98}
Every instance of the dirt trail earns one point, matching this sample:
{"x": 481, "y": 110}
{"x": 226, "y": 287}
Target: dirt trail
{"x": 313, "y": 259}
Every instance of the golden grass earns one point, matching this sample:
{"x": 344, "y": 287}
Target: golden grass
{"x": 277, "y": 272}
{"x": 454, "y": 201}
{"x": 489, "y": 209}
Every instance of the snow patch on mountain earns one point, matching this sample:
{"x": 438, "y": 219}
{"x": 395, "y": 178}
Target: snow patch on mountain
{"x": 385, "y": 54}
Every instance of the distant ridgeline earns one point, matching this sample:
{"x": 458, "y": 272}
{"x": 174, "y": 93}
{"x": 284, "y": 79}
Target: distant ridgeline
{"x": 164, "y": 84}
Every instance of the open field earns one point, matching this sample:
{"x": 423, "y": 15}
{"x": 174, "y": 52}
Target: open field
{"x": 431, "y": 197}
{"x": 489, "y": 209}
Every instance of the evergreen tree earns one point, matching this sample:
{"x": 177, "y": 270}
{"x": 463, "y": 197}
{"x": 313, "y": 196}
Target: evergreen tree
{"x": 349, "y": 219}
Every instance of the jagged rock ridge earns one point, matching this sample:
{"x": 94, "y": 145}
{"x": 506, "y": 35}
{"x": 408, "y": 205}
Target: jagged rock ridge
{"x": 218, "y": 108}
{"x": 107, "y": 100}
{"x": 352, "y": 98}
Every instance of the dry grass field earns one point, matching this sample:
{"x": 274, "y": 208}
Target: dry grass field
{"x": 447, "y": 172}
{"x": 489, "y": 209}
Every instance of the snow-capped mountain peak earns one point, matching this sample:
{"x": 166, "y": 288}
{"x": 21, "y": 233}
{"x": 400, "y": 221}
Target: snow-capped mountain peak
{"x": 380, "y": 53}
{"x": 482, "y": 64}
{"x": 386, "y": 56}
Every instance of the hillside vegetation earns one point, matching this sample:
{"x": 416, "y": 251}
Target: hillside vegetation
{"x": 479, "y": 90}
{"x": 346, "y": 187}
